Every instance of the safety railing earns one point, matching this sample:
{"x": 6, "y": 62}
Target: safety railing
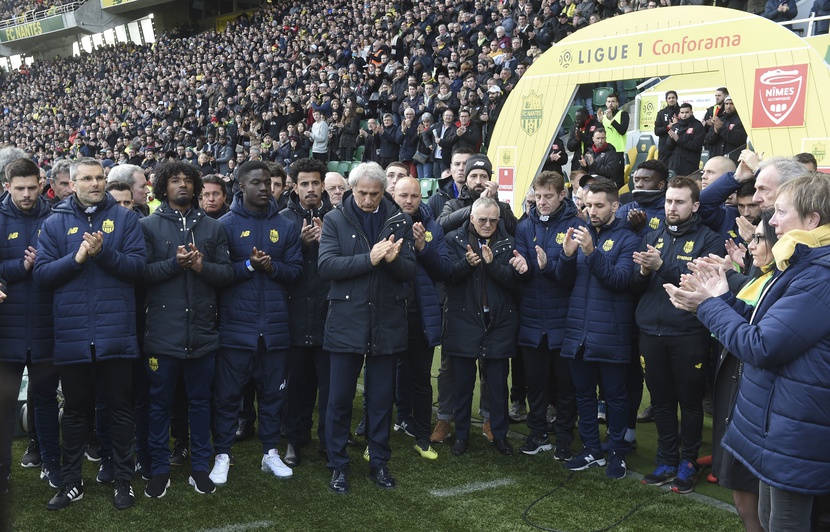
{"x": 33, "y": 15}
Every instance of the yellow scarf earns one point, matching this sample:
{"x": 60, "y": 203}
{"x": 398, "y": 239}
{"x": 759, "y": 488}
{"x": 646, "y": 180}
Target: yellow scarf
{"x": 785, "y": 247}
{"x": 751, "y": 292}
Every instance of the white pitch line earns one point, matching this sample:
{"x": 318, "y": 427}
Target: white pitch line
{"x": 241, "y": 527}
{"x": 472, "y": 487}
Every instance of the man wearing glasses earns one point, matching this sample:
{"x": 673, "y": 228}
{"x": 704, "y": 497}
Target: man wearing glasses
{"x": 91, "y": 252}
{"x": 483, "y": 315}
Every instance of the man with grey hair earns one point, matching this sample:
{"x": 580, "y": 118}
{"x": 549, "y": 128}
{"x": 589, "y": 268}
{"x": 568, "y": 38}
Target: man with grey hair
{"x": 60, "y": 186}
{"x": 336, "y": 185}
{"x": 134, "y": 176}
{"x": 367, "y": 252}
{"x": 7, "y": 155}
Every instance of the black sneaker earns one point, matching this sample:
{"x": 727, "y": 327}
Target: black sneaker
{"x": 536, "y": 444}
{"x": 143, "y": 470}
{"x": 180, "y": 453}
{"x": 106, "y": 472}
{"x": 52, "y": 474}
{"x": 563, "y": 451}
{"x": 686, "y": 477}
{"x": 361, "y": 427}
{"x": 93, "y": 449}
{"x": 647, "y": 415}
{"x": 201, "y": 482}
{"x": 157, "y": 487}
{"x": 660, "y": 476}
{"x": 406, "y": 426}
{"x": 123, "y": 497}
{"x": 68, "y": 494}
{"x": 31, "y": 458}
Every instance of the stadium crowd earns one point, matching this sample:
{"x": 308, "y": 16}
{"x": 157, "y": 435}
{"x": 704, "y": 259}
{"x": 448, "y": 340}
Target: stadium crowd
{"x": 313, "y": 279}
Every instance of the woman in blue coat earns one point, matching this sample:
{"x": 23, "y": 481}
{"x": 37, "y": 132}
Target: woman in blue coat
{"x": 781, "y": 420}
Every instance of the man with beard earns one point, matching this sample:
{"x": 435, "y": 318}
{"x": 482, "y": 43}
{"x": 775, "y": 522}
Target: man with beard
{"x": 181, "y": 281}
{"x": 600, "y": 325}
{"x": 477, "y": 171}
{"x": 716, "y": 110}
{"x": 483, "y": 315}
{"x": 666, "y": 119}
{"x": 727, "y": 134}
{"x": 646, "y": 211}
{"x": 580, "y": 139}
{"x": 308, "y": 363}
{"x": 673, "y": 342}
{"x": 253, "y": 318}
{"x": 603, "y": 159}
{"x": 685, "y": 142}
{"x": 615, "y": 122}
{"x": 543, "y": 308}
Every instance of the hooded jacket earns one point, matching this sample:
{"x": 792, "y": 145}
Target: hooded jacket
{"x": 434, "y": 266}
{"x": 26, "y": 316}
{"x": 367, "y": 304}
{"x": 94, "y": 302}
{"x": 254, "y": 304}
{"x": 181, "y": 305}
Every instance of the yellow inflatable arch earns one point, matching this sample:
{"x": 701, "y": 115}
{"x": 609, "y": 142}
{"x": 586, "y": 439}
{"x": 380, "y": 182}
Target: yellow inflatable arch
{"x": 776, "y": 80}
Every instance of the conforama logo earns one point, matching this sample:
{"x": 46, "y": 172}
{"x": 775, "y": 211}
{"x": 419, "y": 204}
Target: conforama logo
{"x": 780, "y": 93}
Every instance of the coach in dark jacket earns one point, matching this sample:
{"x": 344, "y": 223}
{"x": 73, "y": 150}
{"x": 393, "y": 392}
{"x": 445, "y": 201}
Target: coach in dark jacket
{"x": 253, "y": 317}
{"x": 366, "y": 251}
{"x": 308, "y": 363}
{"x": 602, "y": 158}
{"x": 727, "y": 135}
{"x": 26, "y": 320}
{"x": 480, "y": 321}
{"x": 187, "y": 260}
{"x": 544, "y": 296}
{"x": 91, "y": 252}
{"x": 665, "y": 120}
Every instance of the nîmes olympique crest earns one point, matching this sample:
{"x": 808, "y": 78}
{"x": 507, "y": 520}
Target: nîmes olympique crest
{"x": 531, "y": 115}
{"x": 780, "y": 95}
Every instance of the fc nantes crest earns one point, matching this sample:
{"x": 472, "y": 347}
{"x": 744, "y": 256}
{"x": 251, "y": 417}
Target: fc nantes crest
{"x": 274, "y": 234}
{"x": 108, "y": 226}
{"x": 531, "y": 115}
{"x": 608, "y": 245}
{"x": 154, "y": 363}
{"x": 688, "y": 246}
{"x": 427, "y": 236}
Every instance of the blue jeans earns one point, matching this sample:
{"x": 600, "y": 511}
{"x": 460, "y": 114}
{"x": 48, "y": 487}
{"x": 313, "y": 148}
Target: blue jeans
{"x": 783, "y": 511}
{"x": 424, "y": 170}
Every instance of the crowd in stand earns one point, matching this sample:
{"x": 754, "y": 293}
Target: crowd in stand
{"x": 20, "y": 11}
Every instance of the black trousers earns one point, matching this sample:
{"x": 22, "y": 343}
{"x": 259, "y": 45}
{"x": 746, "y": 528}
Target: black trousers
{"x": 495, "y": 373}
{"x": 676, "y": 373}
{"x": 414, "y": 385}
{"x": 308, "y": 379}
{"x": 538, "y": 361}
{"x": 114, "y": 378}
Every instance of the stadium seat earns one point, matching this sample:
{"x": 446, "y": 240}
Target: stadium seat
{"x": 428, "y": 186}
{"x": 332, "y": 166}
{"x": 600, "y": 94}
{"x": 645, "y": 150}
{"x": 353, "y": 165}
{"x": 630, "y": 88}
{"x": 343, "y": 167}
{"x": 358, "y": 153}
{"x": 364, "y": 124}
{"x": 568, "y": 122}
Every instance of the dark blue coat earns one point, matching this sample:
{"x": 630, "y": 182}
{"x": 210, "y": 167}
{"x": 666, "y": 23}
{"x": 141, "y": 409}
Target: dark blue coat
{"x": 408, "y": 141}
{"x": 655, "y": 210}
{"x": 180, "y": 304}
{"x": 254, "y": 305}
{"x": 544, "y": 295}
{"x": 719, "y": 217}
{"x": 655, "y": 313}
{"x": 307, "y": 297}
{"x": 26, "y": 316}
{"x": 601, "y": 307}
{"x": 367, "y": 304}
{"x": 465, "y": 333}
{"x": 434, "y": 266}
{"x": 781, "y": 421}
{"x": 94, "y": 302}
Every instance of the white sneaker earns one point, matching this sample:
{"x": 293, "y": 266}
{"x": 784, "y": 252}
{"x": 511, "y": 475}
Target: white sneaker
{"x": 271, "y": 462}
{"x": 219, "y": 474}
